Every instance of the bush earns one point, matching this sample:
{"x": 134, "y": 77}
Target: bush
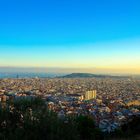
{"x": 30, "y": 119}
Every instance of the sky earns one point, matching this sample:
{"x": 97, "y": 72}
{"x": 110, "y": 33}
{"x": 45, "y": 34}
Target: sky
{"x": 96, "y": 35}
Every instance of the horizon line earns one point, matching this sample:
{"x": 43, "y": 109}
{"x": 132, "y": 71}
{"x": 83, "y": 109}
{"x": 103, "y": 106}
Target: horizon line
{"x": 93, "y": 70}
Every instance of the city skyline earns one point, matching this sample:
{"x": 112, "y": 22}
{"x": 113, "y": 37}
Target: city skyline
{"x": 85, "y": 36}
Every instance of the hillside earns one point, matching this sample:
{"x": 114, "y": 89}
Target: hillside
{"x": 89, "y": 75}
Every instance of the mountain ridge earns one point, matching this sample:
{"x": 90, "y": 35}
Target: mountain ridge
{"x": 90, "y": 75}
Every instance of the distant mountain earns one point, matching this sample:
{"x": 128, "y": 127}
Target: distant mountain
{"x": 89, "y": 75}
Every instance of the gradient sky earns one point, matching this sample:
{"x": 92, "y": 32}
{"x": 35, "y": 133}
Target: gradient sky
{"x": 101, "y": 34}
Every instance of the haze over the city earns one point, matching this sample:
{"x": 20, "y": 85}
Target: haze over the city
{"x": 97, "y": 36}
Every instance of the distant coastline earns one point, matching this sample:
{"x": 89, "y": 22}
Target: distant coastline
{"x": 27, "y": 75}
{"x": 4, "y": 75}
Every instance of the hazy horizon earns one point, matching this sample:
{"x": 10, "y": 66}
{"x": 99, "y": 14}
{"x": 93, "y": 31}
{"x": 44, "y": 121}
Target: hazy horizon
{"x": 62, "y": 70}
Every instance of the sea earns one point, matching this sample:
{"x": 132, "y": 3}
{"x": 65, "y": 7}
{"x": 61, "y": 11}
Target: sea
{"x": 4, "y": 75}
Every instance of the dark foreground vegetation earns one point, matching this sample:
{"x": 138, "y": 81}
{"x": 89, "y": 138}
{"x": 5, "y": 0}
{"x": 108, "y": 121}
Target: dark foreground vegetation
{"x": 31, "y": 120}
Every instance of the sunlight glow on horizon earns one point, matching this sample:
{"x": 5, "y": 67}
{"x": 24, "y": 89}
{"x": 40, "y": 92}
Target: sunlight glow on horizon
{"x": 100, "y": 35}
{"x": 108, "y": 56}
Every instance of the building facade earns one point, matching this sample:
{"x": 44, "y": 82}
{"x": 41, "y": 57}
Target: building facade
{"x": 90, "y": 95}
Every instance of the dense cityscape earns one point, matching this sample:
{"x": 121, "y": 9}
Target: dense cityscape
{"x": 111, "y": 102}
{"x": 69, "y": 69}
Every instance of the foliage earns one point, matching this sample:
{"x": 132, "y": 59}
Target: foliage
{"x": 87, "y": 129}
{"x": 30, "y": 119}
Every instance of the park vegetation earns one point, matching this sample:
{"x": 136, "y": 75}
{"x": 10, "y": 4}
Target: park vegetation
{"x": 31, "y": 120}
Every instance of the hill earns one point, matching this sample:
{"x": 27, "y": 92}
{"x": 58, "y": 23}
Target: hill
{"x": 89, "y": 75}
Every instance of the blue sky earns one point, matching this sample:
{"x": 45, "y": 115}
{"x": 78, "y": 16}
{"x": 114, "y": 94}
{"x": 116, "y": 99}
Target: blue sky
{"x": 70, "y": 33}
